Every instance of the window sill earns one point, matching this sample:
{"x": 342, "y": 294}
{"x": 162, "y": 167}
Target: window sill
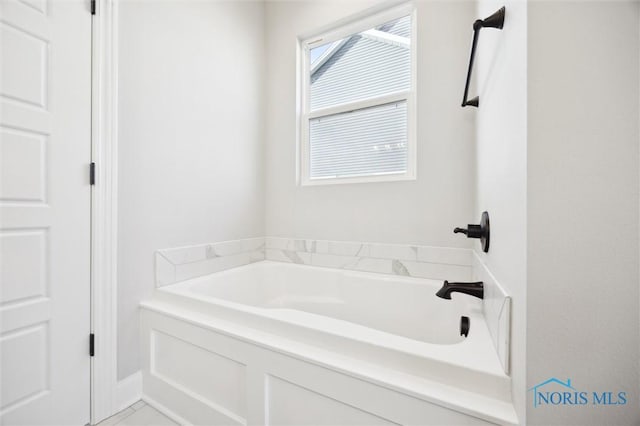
{"x": 359, "y": 179}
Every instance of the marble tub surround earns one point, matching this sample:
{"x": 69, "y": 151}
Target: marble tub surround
{"x": 497, "y": 310}
{"x": 182, "y": 263}
{"x": 441, "y": 263}
{"x": 452, "y": 264}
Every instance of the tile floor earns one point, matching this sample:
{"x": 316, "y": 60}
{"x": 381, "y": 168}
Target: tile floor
{"x": 139, "y": 414}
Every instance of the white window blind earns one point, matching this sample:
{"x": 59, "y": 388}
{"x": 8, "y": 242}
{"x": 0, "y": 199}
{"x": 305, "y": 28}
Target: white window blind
{"x": 357, "y": 112}
{"x": 370, "y": 141}
{"x": 362, "y": 68}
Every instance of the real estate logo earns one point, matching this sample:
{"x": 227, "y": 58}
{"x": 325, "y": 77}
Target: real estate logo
{"x": 554, "y": 391}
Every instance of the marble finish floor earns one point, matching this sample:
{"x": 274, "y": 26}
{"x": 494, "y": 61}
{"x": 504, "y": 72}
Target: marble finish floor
{"x": 139, "y": 414}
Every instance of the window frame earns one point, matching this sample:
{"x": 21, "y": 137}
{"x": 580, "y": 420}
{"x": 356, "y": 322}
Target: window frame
{"x": 341, "y": 30}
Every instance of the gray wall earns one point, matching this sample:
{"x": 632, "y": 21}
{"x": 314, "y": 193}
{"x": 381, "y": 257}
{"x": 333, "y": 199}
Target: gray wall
{"x": 190, "y": 138}
{"x": 582, "y": 290}
{"x": 423, "y": 211}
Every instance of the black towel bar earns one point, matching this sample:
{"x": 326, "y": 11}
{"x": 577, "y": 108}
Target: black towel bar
{"x": 494, "y": 21}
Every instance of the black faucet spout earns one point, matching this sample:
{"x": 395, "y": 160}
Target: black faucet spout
{"x": 475, "y": 289}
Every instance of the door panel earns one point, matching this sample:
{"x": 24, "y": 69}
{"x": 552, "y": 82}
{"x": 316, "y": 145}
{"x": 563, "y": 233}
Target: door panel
{"x": 45, "y": 150}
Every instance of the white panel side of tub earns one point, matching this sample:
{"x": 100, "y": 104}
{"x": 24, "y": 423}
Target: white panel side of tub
{"x": 222, "y": 384}
{"x": 289, "y": 404}
{"x": 501, "y": 83}
{"x": 274, "y": 380}
{"x": 583, "y": 131}
{"x": 423, "y": 211}
{"x": 191, "y": 153}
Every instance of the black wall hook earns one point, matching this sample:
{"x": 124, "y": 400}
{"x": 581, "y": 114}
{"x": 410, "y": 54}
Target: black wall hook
{"x": 494, "y": 21}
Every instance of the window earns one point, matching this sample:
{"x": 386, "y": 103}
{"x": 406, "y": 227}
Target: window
{"x": 357, "y": 102}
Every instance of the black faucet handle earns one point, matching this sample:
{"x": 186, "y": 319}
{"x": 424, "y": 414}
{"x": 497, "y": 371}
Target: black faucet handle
{"x": 480, "y": 231}
{"x": 471, "y": 231}
{"x": 461, "y": 231}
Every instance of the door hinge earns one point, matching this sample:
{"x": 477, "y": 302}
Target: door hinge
{"x": 92, "y": 344}
{"x": 92, "y": 173}
{"x": 93, "y": 7}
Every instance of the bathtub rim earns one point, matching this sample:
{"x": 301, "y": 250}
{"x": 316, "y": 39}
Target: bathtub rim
{"x": 446, "y": 353}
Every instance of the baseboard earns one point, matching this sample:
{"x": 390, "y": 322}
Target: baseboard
{"x": 164, "y": 410}
{"x": 128, "y": 391}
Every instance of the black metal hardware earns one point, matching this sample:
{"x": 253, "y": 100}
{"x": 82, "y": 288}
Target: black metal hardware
{"x": 92, "y": 174}
{"x": 494, "y": 21}
{"x": 93, "y": 7}
{"x": 465, "y": 324}
{"x": 475, "y": 289}
{"x": 92, "y": 344}
{"x": 482, "y": 231}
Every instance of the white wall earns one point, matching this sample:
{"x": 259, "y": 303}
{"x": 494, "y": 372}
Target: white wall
{"x": 423, "y": 211}
{"x": 190, "y": 137}
{"x": 582, "y": 290}
{"x": 501, "y": 181}
{"x": 557, "y": 155}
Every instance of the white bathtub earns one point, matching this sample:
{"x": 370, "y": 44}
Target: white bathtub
{"x": 385, "y": 331}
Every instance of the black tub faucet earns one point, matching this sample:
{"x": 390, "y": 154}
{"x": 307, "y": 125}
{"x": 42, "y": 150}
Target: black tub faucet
{"x": 473, "y": 289}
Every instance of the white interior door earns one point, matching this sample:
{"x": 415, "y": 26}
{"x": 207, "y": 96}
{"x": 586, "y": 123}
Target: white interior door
{"x": 45, "y": 151}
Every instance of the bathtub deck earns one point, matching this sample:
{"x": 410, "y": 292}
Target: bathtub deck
{"x": 256, "y": 357}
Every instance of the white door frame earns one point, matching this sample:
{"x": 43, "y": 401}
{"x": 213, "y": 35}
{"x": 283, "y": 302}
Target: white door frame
{"x": 104, "y": 210}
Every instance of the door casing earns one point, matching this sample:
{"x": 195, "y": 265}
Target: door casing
{"x": 104, "y": 213}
